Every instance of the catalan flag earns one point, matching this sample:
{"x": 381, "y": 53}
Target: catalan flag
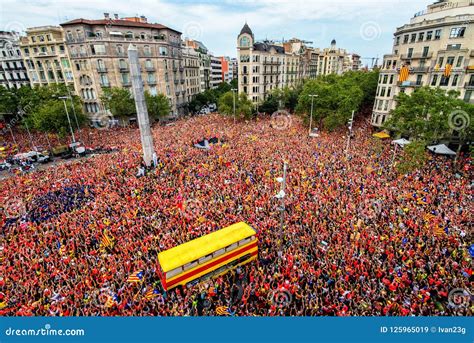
{"x": 107, "y": 242}
{"x": 151, "y": 293}
{"x": 404, "y": 72}
{"x": 436, "y": 67}
{"x": 222, "y": 311}
{"x": 447, "y": 70}
{"x": 111, "y": 301}
{"x": 439, "y": 231}
{"x": 136, "y": 276}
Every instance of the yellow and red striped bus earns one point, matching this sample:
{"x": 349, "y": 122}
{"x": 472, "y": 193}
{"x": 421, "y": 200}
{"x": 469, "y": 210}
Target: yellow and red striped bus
{"x": 208, "y": 256}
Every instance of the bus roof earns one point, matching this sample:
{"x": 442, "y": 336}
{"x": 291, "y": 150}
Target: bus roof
{"x": 204, "y": 245}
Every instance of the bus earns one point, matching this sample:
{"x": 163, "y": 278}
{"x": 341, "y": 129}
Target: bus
{"x": 208, "y": 256}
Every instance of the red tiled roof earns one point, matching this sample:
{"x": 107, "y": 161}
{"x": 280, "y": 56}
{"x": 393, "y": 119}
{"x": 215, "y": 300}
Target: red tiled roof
{"x": 116, "y": 22}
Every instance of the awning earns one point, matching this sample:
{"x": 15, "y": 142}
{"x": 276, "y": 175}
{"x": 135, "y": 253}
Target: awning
{"x": 401, "y": 142}
{"x": 441, "y": 149}
{"x": 381, "y": 135}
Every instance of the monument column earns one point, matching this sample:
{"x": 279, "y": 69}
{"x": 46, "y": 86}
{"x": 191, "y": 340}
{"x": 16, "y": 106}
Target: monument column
{"x": 140, "y": 103}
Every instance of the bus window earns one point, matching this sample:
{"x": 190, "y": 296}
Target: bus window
{"x": 232, "y": 247}
{"x": 205, "y": 258}
{"x": 174, "y": 272}
{"x": 218, "y": 252}
{"x": 246, "y": 240}
{"x": 190, "y": 265}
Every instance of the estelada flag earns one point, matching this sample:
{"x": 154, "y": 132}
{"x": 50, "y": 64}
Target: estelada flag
{"x": 404, "y": 72}
{"x": 447, "y": 70}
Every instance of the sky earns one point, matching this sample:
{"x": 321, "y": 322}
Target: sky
{"x": 362, "y": 26}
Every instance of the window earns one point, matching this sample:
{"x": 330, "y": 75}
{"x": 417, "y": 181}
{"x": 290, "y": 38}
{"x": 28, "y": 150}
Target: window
{"x": 429, "y": 35}
{"x": 444, "y": 80}
{"x": 125, "y": 78}
{"x": 382, "y": 93}
{"x": 385, "y": 79}
{"x": 455, "y": 80}
{"x": 163, "y": 51}
{"x": 129, "y": 34}
{"x": 123, "y": 64}
{"x": 457, "y": 32}
{"x": 435, "y": 80}
{"x": 142, "y": 35}
{"x": 410, "y": 52}
{"x": 405, "y": 39}
{"x": 426, "y": 49}
{"x": 450, "y": 60}
{"x": 421, "y": 36}
{"x": 437, "y": 34}
{"x": 397, "y": 40}
{"x": 389, "y": 91}
{"x": 440, "y": 61}
{"x": 413, "y": 38}
{"x": 418, "y": 80}
{"x": 459, "y": 62}
{"x": 391, "y": 79}
{"x": 453, "y": 47}
{"x": 120, "y": 50}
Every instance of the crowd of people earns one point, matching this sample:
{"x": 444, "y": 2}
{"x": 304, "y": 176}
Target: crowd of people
{"x": 359, "y": 238}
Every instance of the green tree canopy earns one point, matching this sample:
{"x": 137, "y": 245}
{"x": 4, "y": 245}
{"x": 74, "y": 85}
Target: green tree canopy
{"x": 337, "y": 97}
{"x": 119, "y": 101}
{"x": 431, "y": 114}
{"x": 158, "y": 105}
{"x": 243, "y": 106}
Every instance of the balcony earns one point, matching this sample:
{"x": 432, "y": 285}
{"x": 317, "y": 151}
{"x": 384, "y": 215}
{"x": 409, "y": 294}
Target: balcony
{"x": 469, "y": 86}
{"x": 409, "y": 84}
{"x": 181, "y": 69}
{"x": 176, "y": 93}
{"x": 470, "y": 69}
{"x": 78, "y": 54}
{"x": 176, "y": 81}
{"x": 105, "y": 84}
{"x": 150, "y": 68}
{"x": 182, "y": 81}
{"x": 101, "y": 69}
{"x": 123, "y": 69}
{"x": 126, "y": 83}
{"x": 415, "y": 56}
{"x": 151, "y": 82}
{"x": 420, "y": 69}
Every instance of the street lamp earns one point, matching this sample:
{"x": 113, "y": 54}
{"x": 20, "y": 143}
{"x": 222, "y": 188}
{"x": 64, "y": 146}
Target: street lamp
{"x": 311, "y": 115}
{"x": 63, "y": 98}
{"x": 281, "y": 195}
{"x": 233, "y": 93}
{"x": 350, "y": 132}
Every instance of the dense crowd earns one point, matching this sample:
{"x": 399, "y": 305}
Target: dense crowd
{"x": 359, "y": 238}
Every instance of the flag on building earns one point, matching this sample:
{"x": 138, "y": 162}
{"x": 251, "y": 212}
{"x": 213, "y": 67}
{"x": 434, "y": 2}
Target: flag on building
{"x": 404, "y": 72}
{"x": 447, "y": 70}
{"x": 136, "y": 276}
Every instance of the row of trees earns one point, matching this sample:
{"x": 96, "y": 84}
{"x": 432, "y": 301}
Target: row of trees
{"x": 120, "y": 103}
{"x": 337, "y": 97}
{"x": 41, "y": 108}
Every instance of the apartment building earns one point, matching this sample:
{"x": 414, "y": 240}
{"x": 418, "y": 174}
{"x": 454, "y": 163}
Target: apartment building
{"x": 333, "y": 60}
{"x": 204, "y": 62}
{"x": 45, "y": 56}
{"x": 229, "y": 68}
{"x": 191, "y": 72}
{"x": 98, "y": 52}
{"x": 13, "y": 72}
{"x": 436, "y": 48}
{"x": 216, "y": 71}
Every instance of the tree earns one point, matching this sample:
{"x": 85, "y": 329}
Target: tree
{"x": 243, "y": 106}
{"x": 414, "y": 156}
{"x": 430, "y": 114}
{"x": 269, "y": 105}
{"x": 119, "y": 101}
{"x": 158, "y": 105}
{"x": 337, "y": 97}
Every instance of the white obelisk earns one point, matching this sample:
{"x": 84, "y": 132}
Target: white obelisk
{"x": 140, "y": 103}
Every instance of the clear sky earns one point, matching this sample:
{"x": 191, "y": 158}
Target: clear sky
{"x": 362, "y": 26}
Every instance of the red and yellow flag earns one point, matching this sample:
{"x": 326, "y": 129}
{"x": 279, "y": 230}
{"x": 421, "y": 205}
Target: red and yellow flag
{"x": 447, "y": 70}
{"x": 404, "y": 72}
